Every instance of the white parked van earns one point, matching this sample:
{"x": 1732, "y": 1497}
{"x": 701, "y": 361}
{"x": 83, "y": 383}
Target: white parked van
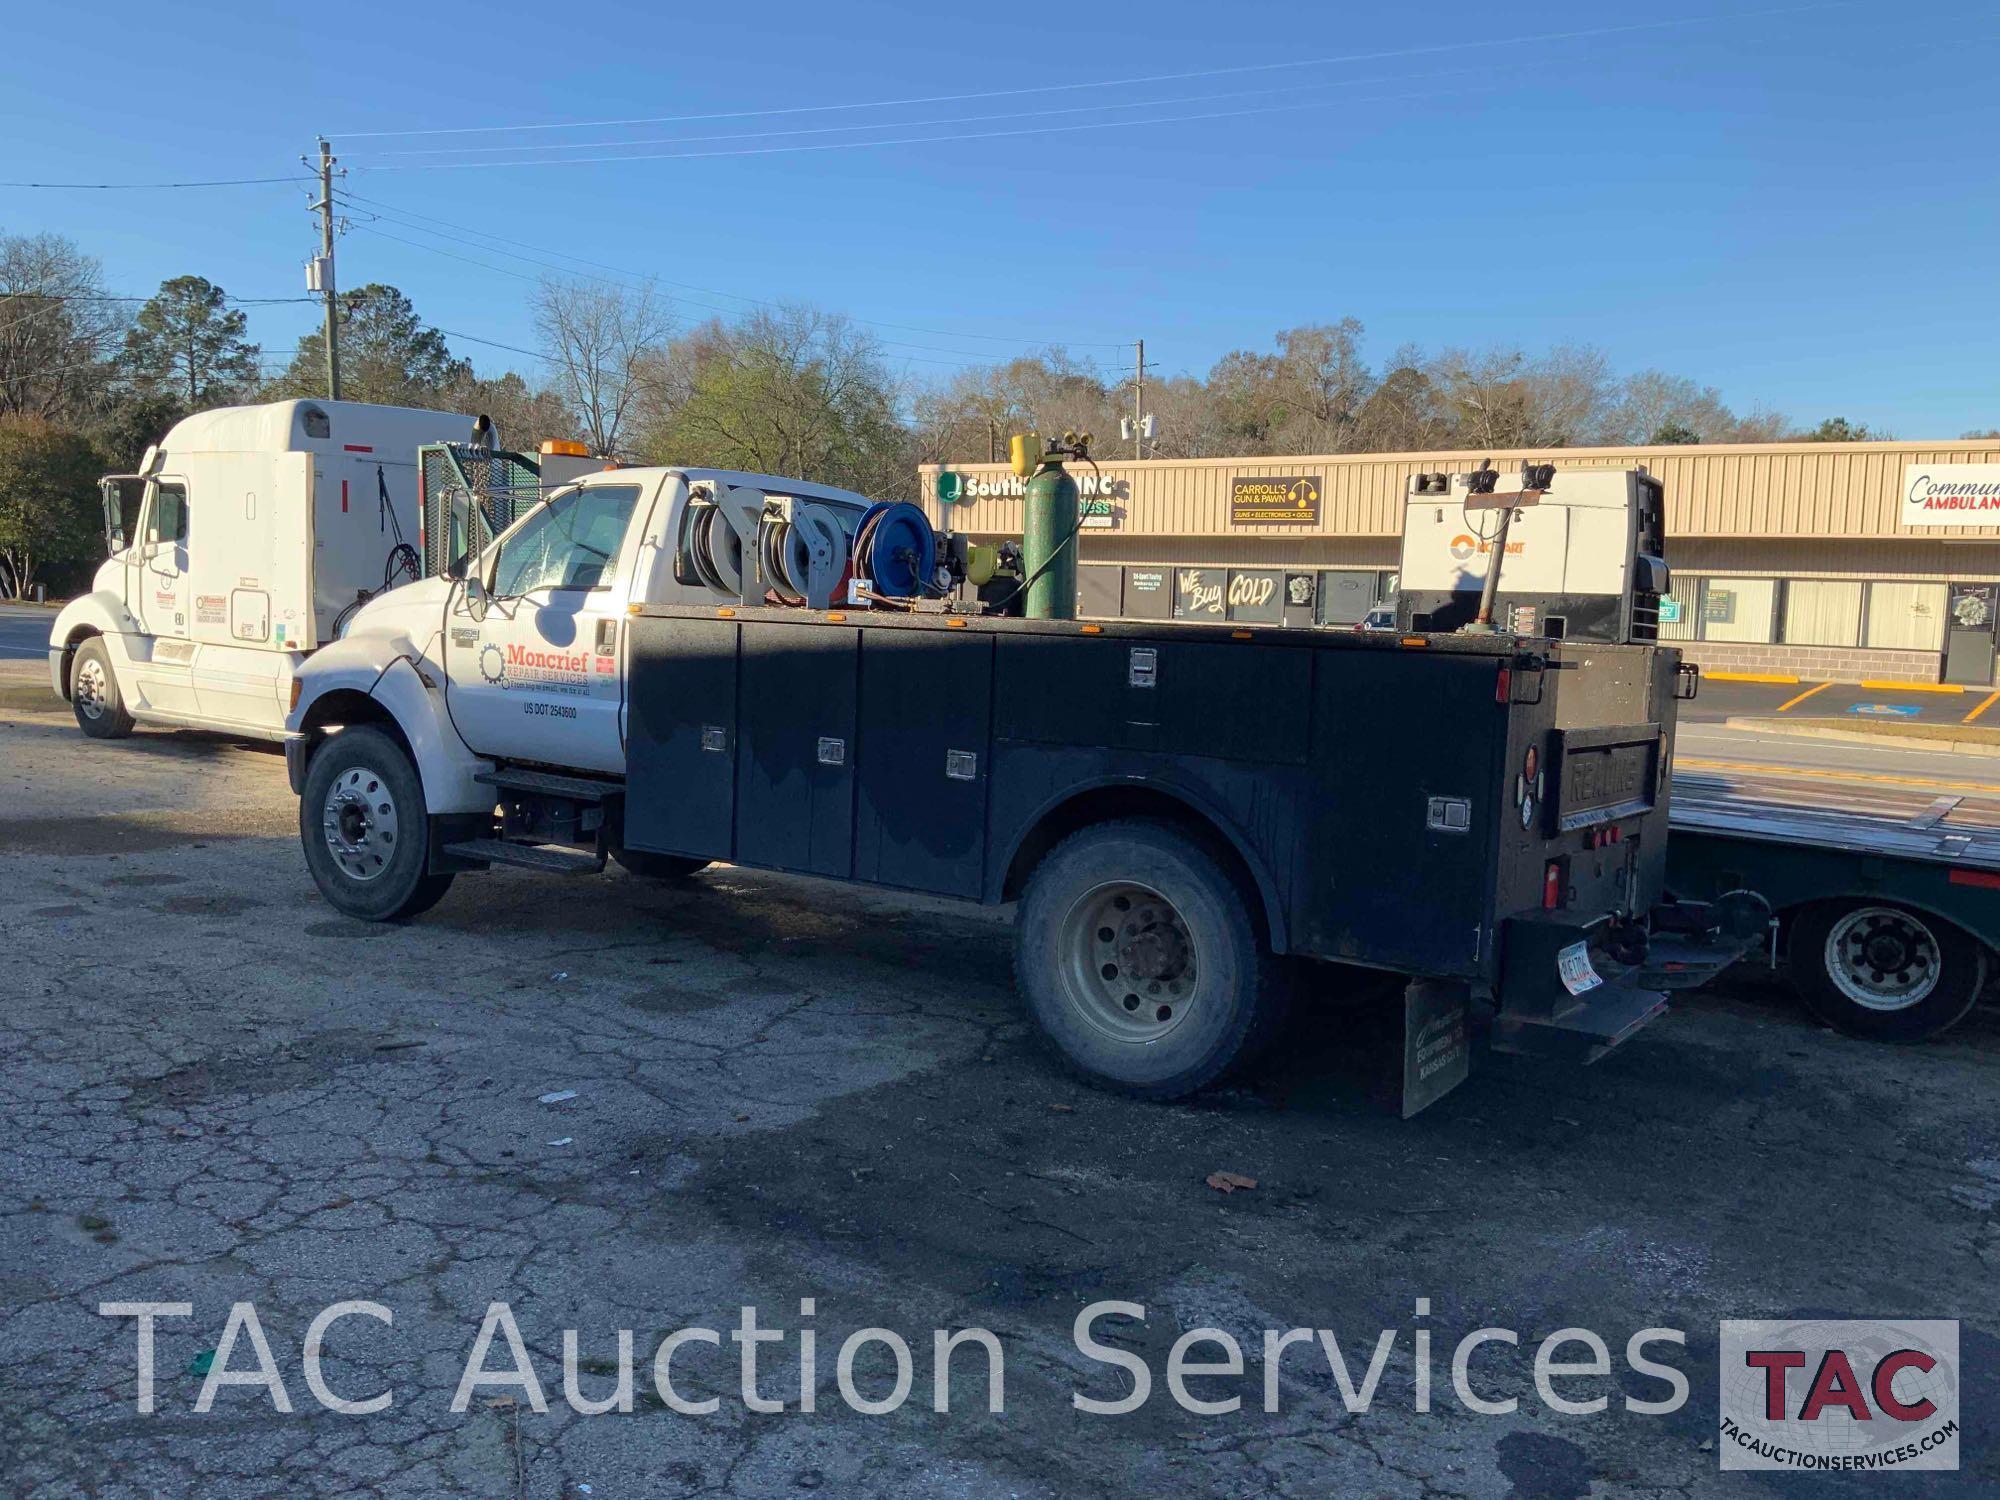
{"x": 246, "y": 535}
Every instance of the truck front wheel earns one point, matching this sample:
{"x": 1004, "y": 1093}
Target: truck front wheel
{"x": 364, "y": 827}
{"x": 1884, "y": 972}
{"x": 1141, "y": 962}
{"x": 93, "y": 693}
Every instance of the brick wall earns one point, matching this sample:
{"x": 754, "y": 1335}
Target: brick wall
{"x": 1815, "y": 663}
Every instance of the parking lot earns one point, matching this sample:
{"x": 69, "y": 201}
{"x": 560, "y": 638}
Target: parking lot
{"x": 764, "y": 1090}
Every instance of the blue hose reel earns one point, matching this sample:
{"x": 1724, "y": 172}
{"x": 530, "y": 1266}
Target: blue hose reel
{"x": 896, "y": 550}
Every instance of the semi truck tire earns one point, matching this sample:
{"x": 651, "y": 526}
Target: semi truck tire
{"x": 1141, "y": 963}
{"x": 1884, "y": 972}
{"x": 365, "y": 829}
{"x": 651, "y": 866}
{"x": 93, "y": 693}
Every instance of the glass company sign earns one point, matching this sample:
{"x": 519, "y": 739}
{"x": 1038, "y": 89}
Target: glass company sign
{"x": 1951, "y": 495}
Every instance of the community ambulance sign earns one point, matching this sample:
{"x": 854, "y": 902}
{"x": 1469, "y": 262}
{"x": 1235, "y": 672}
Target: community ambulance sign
{"x": 1951, "y": 494}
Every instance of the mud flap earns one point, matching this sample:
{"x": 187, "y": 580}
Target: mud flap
{"x": 1437, "y": 1050}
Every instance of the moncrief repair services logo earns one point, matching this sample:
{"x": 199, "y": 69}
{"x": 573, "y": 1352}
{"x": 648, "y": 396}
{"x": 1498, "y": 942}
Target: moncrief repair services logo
{"x": 1840, "y": 1394}
{"x": 493, "y": 665}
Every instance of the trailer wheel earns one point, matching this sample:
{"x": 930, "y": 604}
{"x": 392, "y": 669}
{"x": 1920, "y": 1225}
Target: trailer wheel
{"x": 1137, "y": 953}
{"x": 1884, "y": 972}
{"x": 364, "y": 827}
{"x": 93, "y": 693}
{"x": 652, "y": 866}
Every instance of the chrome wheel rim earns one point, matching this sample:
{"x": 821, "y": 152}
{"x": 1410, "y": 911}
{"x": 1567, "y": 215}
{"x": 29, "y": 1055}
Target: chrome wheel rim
{"x": 88, "y": 692}
{"x": 1883, "y": 958}
{"x": 358, "y": 819}
{"x": 1130, "y": 968}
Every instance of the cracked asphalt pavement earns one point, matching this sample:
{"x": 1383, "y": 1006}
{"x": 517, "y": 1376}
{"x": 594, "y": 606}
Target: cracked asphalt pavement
{"x": 216, "y": 1090}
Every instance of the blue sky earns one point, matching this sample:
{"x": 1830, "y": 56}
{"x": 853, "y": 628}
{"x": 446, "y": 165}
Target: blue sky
{"x": 1798, "y": 208}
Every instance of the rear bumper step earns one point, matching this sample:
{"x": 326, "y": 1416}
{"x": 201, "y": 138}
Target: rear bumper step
{"x": 1582, "y": 1032}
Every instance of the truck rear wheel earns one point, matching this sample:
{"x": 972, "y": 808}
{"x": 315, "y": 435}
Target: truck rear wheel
{"x": 364, "y": 826}
{"x": 1139, "y": 958}
{"x": 93, "y": 693}
{"x": 1884, "y": 972}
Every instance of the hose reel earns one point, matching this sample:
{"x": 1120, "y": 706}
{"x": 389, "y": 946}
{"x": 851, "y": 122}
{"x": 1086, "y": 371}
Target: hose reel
{"x": 896, "y": 550}
{"x": 802, "y": 552}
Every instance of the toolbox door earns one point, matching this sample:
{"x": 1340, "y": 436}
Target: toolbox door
{"x": 926, "y": 712}
{"x": 680, "y": 769}
{"x": 795, "y": 765}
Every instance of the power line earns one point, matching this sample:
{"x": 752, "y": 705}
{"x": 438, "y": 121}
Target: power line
{"x": 493, "y": 344}
{"x": 961, "y": 355}
{"x": 623, "y": 276}
{"x": 912, "y": 140}
{"x": 149, "y": 187}
{"x": 134, "y": 297}
{"x": 1031, "y": 114}
{"x": 1050, "y": 88}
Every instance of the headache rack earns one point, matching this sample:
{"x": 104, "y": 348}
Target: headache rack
{"x": 468, "y": 495}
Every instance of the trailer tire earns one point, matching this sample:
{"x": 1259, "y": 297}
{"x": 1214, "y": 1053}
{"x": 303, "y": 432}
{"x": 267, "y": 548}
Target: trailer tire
{"x": 365, "y": 829}
{"x": 1929, "y": 976}
{"x": 93, "y": 693}
{"x": 1137, "y": 951}
{"x": 650, "y": 866}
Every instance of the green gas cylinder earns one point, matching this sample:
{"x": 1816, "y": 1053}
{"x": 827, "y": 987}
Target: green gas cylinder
{"x": 1048, "y": 539}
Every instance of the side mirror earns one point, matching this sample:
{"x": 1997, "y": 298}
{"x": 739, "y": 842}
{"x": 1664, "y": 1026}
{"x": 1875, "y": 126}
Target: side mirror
{"x": 114, "y": 515}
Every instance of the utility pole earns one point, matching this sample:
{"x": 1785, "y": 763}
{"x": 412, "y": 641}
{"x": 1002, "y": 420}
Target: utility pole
{"x": 325, "y": 209}
{"x": 1139, "y": 405}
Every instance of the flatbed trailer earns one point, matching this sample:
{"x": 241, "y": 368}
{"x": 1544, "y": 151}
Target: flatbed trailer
{"x": 1888, "y": 925}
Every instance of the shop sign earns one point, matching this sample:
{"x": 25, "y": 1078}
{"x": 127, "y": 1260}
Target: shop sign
{"x": 1670, "y": 611}
{"x": 1274, "y": 500}
{"x": 1951, "y": 495}
{"x": 962, "y": 489}
{"x": 1199, "y": 593}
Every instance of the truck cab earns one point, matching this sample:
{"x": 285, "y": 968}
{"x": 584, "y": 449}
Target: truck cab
{"x": 234, "y": 552}
{"x": 519, "y": 657}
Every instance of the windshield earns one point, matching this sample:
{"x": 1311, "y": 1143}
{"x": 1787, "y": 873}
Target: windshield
{"x": 572, "y": 542}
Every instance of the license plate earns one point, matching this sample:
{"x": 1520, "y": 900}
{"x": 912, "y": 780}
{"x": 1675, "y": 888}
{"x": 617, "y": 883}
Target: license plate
{"x": 1573, "y": 964}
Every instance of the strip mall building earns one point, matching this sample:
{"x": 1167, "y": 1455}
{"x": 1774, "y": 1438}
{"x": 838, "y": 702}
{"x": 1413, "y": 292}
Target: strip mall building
{"x": 1852, "y": 561}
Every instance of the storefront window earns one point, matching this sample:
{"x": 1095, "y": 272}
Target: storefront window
{"x": 1680, "y": 609}
{"x": 1822, "y": 612}
{"x": 1906, "y": 616}
{"x": 1737, "y": 609}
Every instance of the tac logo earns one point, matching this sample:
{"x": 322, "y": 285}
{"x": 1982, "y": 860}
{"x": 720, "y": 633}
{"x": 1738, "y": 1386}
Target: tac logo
{"x": 1463, "y": 546}
{"x": 1853, "y": 1394}
{"x": 493, "y": 665}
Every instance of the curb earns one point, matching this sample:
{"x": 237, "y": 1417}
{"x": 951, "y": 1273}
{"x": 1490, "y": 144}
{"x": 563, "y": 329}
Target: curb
{"x": 1929, "y": 743}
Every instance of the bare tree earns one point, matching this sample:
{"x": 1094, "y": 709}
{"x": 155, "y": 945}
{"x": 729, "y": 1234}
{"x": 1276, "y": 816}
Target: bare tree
{"x": 1500, "y": 398}
{"x": 603, "y": 342}
{"x": 58, "y": 330}
{"x": 1654, "y": 407}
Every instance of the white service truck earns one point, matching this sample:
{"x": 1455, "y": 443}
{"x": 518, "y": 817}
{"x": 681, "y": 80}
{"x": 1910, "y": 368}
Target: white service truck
{"x": 246, "y": 534}
{"x": 673, "y": 666}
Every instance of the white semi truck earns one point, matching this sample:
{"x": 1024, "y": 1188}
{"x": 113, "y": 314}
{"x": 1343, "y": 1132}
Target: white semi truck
{"x": 246, "y": 534}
